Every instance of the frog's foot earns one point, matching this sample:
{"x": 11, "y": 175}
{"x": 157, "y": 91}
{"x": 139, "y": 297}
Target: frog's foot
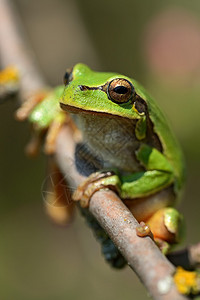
{"x": 95, "y": 182}
{"x": 143, "y": 230}
{"x": 25, "y": 109}
{"x": 166, "y": 225}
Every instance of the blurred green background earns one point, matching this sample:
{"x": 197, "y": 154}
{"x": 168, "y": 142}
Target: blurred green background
{"x": 156, "y": 42}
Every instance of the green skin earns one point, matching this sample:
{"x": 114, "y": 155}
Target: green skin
{"x": 160, "y": 169}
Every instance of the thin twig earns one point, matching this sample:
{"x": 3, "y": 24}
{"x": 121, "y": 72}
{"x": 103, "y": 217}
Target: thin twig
{"x": 188, "y": 258}
{"x": 143, "y": 256}
{"x": 15, "y": 50}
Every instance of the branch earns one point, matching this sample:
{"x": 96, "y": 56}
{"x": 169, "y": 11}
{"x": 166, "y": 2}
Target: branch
{"x": 142, "y": 255}
{"x": 188, "y": 258}
{"x": 14, "y": 50}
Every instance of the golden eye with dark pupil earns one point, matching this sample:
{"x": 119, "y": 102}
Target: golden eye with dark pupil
{"x": 120, "y": 90}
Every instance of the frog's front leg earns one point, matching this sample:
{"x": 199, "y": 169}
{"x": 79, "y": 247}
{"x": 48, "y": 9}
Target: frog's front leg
{"x": 95, "y": 182}
{"x": 46, "y": 119}
{"x": 157, "y": 176}
{"x": 25, "y": 109}
{"x": 24, "y": 112}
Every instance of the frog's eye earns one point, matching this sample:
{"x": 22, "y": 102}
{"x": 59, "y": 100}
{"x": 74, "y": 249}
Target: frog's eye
{"x": 120, "y": 90}
{"x": 67, "y": 77}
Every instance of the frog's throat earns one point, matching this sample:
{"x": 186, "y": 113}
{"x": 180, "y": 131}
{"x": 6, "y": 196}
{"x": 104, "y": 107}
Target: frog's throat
{"x": 78, "y": 110}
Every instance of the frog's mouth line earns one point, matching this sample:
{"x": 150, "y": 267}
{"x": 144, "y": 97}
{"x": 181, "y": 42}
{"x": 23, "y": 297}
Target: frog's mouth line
{"x": 76, "y": 110}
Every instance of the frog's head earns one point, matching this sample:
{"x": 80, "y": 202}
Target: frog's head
{"x": 92, "y": 92}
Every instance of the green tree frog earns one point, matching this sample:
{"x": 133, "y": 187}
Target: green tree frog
{"x": 127, "y": 144}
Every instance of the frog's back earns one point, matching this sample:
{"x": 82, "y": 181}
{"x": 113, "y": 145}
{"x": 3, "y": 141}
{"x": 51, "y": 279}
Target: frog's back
{"x": 171, "y": 147}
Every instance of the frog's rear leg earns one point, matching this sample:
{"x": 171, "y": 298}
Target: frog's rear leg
{"x": 56, "y": 195}
{"x": 164, "y": 222}
{"x": 167, "y": 226}
{"x": 22, "y": 113}
{"x": 43, "y": 111}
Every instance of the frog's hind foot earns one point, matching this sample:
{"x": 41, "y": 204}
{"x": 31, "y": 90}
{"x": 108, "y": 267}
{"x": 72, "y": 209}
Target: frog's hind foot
{"x": 167, "y": 227}
{"x": 144, "y": 230}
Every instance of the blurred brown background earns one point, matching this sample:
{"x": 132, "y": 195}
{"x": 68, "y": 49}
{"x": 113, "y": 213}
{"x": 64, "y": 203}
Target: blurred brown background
{"x": 157, "y": 43}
